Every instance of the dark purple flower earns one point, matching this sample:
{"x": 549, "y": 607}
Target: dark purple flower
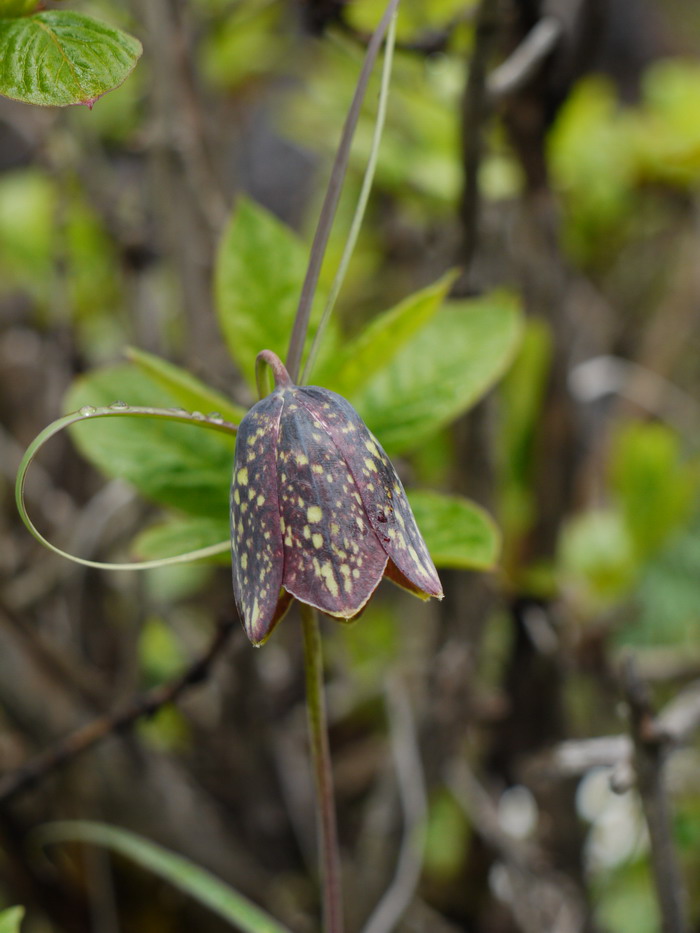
{"x": 318, "y": 512}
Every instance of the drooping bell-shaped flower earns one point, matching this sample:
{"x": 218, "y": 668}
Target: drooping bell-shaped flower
{"x": 318, "y": 512}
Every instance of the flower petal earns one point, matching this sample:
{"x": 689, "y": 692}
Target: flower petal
{"x": 256, "y": 537}
{"x": 332, "y": 558}
{"x": 379, "y": 486}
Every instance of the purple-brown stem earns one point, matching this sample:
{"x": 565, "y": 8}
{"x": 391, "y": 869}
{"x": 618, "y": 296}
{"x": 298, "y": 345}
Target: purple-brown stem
{"x": 320, "y": 753}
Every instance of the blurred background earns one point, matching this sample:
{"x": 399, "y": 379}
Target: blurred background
{"x": 549, "y": 148}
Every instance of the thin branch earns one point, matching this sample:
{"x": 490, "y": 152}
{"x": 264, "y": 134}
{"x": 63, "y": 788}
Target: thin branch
{"x": 330, "y": 202}
{"x": 649, "y": 759}
{"x": 414, "y": 803}
{"x": 520, "y": 66}
{"x": 65, "y": 750}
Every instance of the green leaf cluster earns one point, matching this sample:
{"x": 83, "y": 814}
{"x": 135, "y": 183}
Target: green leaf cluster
{"x": 415, "y": 368}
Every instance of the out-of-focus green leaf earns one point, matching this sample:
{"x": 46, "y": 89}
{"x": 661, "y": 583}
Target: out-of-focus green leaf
{"x": 260, "y": 270}
{"x": 597, "y": 559}
{"x": 57, "y": 58}
{"x": 184, "y": 467}
{"x": 654, "y": 486}
{"x": 180, "y": 535}
{"x": 11, "y": 919}
{"x": 381, "y": 340}
{"x": 180, "y": 872}
{"x": 17, "y": 7}
{"x": 160, "y": 653}
{"x": 191, "y": 392}
{"x": 521, "y": 393}
{"x": 458, "y": 532}
{"x": 447, "y": 837}
{"x": 442, "y": 371}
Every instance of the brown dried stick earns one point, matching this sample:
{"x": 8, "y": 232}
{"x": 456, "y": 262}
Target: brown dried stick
{"x": 68, "y": 748}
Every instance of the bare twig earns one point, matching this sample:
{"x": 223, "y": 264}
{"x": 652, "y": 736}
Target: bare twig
{"x": 524, "y": 61}
{"x": 412, "y": 791}
{"x": 649, "y": 758}
{"x": 94, "y": 732}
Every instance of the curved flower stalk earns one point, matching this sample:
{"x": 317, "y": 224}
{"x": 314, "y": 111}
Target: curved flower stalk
{"x": 318, "y": 512}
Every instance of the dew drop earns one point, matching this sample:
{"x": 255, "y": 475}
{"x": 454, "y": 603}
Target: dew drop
{"x": 88, "y": 410}
{"x": 179, "y": 411}
{"x": 215, "y": 416}
{"x": 198, "y": 415}
{"x": 119, "y": 405}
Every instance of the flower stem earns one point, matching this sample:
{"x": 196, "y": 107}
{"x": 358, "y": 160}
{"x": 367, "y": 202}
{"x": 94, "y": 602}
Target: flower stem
{"x": 329, "y": 856}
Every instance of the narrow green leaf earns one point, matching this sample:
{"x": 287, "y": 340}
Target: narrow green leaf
{"x": 200, "y": 884}
{"x": 189, "y": 391}
{"x": 259, "y": 275}
{"x": 181, "y": 534}
{"x": 458, "y": 532}
{"x": 381, "y": 340}
{"x": 173, "y": 464}
{"x": 56, "y": 58}
{"x": 442, "y": 371}
{"x": 11, "y": 919}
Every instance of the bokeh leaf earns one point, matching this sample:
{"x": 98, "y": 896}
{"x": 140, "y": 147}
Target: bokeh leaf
{"x": 57, "y": 58}
{"x": 180, "y": 872}
{"x": 458, "y": 532}
{"x": 172, "y": 464}
{"x": 11, "y": 919}
{"x": 443, "y": 370}
{"x": 260, "y": 270}
{"x": 191, "y": 392}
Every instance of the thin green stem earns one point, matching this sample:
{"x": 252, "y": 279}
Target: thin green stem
{"x": 329, "y": 856}
{"x": 361, "y": 201}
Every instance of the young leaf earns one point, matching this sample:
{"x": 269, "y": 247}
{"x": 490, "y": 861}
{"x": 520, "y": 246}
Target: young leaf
{"x": 11, "y": 919}
{"x": 458, "y": 532}
{"x": 381, "y": 340}
{"x": 172, "y": 464}
{"x": 259, "y": 274}
{"x": 179, "y": 871}
{"x": 57, "y": 58}
{"x": 442, "y": 371}
{"x": 183, "y": 386}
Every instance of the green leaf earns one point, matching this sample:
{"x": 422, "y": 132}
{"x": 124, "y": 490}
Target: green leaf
{"x": 17, "y": 8}
{"x": 654, "y": 486}
{"x": 172, "y": 464}
{"x": 442, "y": 371}
{"x": 190, "y": 392}
{"x": 180, "y": 872}
{"x": 11, "y": 919}
{"x": 259, "y": 275}
{"x": 458, "y": 532}
{"x": 56, "y": 58}
{"x": 181, "y": 534}
{"x": 381, "y": 340}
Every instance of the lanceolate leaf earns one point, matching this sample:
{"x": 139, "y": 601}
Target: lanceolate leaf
{"x": 185, "y": 467}
{"x": 190, "y": 392}
{"x": 259, "y": 274}
{"x": 443, "y": 370}
{"x": 57, "y": 57}
{"x": 458, "y": 532}
{"x": 382, "y": 339}
{"x": 180, "y": 872}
